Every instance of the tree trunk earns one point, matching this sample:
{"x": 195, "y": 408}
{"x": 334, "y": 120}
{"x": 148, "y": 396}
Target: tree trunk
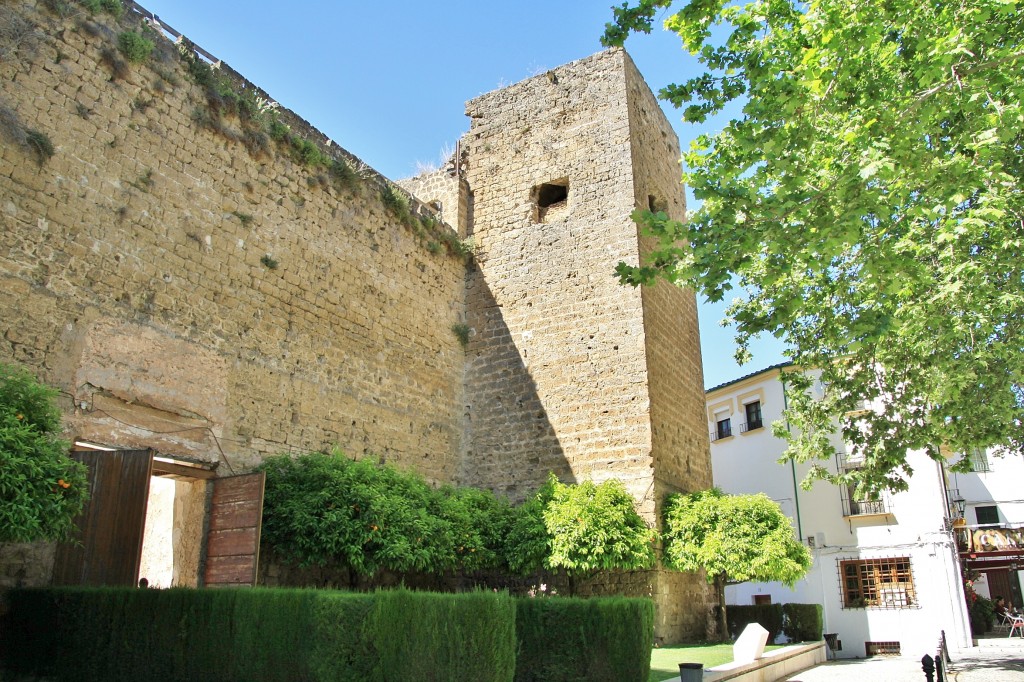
{"x": 723, "y": 625}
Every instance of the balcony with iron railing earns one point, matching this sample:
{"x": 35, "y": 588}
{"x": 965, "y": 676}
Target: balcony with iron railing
{"x": 720, "y": 434}
{"x": 751, "y": 425}
{"x": 852, "y": 505}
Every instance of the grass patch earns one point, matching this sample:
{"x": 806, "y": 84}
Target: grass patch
{"x": 665, "y": 660}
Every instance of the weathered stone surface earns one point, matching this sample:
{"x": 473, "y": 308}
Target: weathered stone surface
{"x": 222, "y": 302}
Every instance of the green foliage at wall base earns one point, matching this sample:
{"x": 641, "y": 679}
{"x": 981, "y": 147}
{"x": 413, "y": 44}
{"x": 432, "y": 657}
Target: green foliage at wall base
{"x": 799, "y": 622}
{"x": 444, "y": 637}
{"x": 584, "y": 640}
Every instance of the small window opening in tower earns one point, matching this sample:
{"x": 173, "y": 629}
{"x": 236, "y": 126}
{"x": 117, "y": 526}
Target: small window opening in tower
{"x": 655, "y": 204}
{"x": 550, "y": 199}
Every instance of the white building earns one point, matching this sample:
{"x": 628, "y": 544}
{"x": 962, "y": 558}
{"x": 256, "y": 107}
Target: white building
{"x": 992, "y": 544}
{"x": 885, "y": 571}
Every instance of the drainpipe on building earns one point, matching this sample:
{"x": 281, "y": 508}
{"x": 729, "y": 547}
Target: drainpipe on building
{"x": 959, "y": 605}
{"x": 792, "y": 464}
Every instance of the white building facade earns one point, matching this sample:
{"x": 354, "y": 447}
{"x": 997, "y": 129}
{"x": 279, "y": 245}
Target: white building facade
{"x": 992, "y": 540}
{"x": 885, "y": 571}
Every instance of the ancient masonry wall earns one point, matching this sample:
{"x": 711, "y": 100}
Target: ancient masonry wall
{"x": 679, "y": 442}
{"x": 192, "y": 287}
{"x": 192, "y": 296}
{"x": 557, "y": 373}
{"x": 569, "y": 371}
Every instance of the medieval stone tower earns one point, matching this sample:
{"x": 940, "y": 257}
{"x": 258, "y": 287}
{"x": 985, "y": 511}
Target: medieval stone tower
{"x": 568, "y": 371}
{"x": 201, "y": 292}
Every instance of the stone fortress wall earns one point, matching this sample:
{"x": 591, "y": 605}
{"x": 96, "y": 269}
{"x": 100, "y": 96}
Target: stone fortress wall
{"x": 137, "y": 267}
{"x": 200, "y": 291}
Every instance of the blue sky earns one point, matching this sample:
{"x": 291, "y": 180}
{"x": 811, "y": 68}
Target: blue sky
{"x": 388, "y": 82}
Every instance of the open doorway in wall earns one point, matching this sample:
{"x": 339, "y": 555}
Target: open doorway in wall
{"x": 175, "y": 514}
{"x": 145, "y": 513}
{"x": 165, "y": 519}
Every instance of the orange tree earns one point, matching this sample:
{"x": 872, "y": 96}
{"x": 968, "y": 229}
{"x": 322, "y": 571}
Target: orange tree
{"x": 41, "y": 488}
{"x": 326, "y": 508}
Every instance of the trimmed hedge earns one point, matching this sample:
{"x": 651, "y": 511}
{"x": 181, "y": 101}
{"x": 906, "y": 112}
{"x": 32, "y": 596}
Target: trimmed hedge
{"x": 799, "y": 622}
{"x": 768, "y": 615}
{"x": 131, "y": 635}
{"x": 271, "y": 635}
{"x": 803, "y": 622}
{"x": 584, "y": 640}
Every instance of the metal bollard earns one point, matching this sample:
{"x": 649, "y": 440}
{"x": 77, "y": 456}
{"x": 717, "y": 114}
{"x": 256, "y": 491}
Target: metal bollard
{"x": 928, "y": 666}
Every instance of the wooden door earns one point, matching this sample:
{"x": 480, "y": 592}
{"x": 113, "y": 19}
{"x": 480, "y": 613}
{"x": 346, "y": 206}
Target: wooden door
{"x": 1000, "y": 585}
{"x": 107, "y": 548}
{"x": 233, "y": 542}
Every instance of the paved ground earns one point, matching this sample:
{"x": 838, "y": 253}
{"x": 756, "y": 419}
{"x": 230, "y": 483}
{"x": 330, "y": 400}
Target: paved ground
{"x": 995, "y": 659}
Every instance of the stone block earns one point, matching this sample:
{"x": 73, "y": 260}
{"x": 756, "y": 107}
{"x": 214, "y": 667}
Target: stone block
{"x": 750, "y": 644}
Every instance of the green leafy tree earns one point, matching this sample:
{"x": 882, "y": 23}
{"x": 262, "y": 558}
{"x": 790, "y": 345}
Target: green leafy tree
{"x": 581, "y": 528}
{"x": 733, "y": 539}
{"x": 867, "y": 205}
{"x": 41, "y": 488}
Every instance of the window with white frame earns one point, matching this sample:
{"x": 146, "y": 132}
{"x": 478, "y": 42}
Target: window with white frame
{"x": 723, "y": 427}
{"x": 752, "y": 411}
{"x": 987, "y": 515}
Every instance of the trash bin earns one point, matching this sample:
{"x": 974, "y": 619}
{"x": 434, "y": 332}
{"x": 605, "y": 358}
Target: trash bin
{"x": 691, "y": 672}
{"x": 832, "y": 639}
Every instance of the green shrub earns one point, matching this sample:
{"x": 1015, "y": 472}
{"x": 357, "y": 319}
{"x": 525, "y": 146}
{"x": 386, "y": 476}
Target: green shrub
{"x": 131, "y": 635}
{"x": 113, "y": 7}
{"x": 342, "y": 649}
{"x": 396, "y": 202}
{"x": 576, "y": 640}
{"x": 43, "y": 489}
{"x": 769, "y": 616}
{"x": 460, "y": 329}
{"x": 580, "y": 528}
{"x": 343, "y": 175}
{"x": 802, "y": 622}
{"x": 135, "y": 47}
{"x": 322, "y": 509}
{"x": 982, "y": 615}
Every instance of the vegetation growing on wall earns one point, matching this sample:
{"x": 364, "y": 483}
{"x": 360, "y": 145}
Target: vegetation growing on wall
{"x": 135, "y": 47}
{"x": 35, "y": 142}
{"x": 40, "y": 145}
{"x": 461, "y": 331}
{"x": 41, "y": 487}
